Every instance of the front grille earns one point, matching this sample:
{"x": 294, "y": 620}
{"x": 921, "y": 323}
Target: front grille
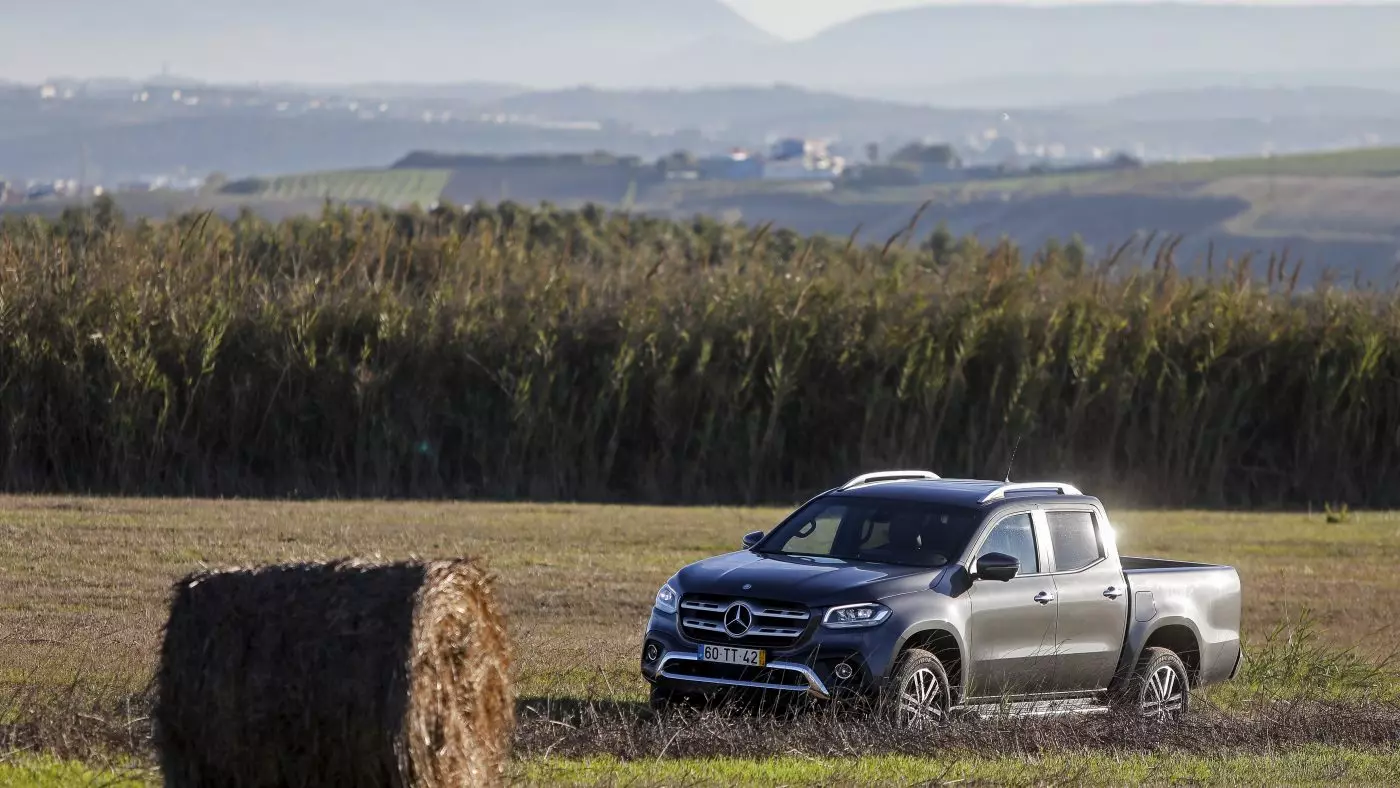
{"x": 772, "y": 624}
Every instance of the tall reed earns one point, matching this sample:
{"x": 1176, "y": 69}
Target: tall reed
{"x": 507, "y": 352}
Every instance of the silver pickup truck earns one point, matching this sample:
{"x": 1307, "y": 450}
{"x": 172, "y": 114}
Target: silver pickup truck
{"x": 929, "y": 595}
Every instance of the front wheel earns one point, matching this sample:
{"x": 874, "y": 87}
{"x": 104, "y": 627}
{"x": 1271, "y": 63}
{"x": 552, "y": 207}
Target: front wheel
{"x": 918, "y": 694}
{"x": 1158, "y": 688}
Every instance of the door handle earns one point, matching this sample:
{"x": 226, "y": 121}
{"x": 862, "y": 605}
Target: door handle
{"x": 1045, "y": 597}
{"x": 1112, "y": 592}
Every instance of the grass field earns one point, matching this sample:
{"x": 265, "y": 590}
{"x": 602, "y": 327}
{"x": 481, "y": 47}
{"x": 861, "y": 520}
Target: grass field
{"x": 402, "y": 187}
{"x": 1362, "y": 162}
{"x": 83, "y": 583}
{"x": 397, "y": 188}
{"x": 1305, "y": 173}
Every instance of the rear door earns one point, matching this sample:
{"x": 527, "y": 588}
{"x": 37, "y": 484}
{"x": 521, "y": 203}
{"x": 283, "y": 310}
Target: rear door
{"x": 1011, "y": 630}
{"x": 1093, "y": 597}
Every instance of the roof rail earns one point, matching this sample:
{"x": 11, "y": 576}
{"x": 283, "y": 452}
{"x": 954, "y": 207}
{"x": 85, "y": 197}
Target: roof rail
{"x": 889, "y": 476}
{"x": 1000, "y": 492}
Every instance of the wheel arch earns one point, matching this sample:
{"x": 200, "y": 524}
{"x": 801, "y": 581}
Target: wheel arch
{"x": 1175, "y": 634}
{"x": 944, "y": 642}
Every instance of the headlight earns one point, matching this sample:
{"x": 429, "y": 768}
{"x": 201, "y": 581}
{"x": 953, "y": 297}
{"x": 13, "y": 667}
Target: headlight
{"x": 856, "y": 616}
{"x": 666, "y": 599}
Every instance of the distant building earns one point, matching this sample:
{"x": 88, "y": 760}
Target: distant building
{"x": 739, "y": 165}
{"x": 795, "y": 148}
{"x": 799, "y": 159}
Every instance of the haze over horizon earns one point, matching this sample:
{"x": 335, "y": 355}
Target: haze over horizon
{"x": 797, "y": 19}
{"x": 866, "y": 46}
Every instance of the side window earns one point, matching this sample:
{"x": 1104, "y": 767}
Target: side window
{"x": 1074, "y": 538}
{"x": 876, "y": 532}
{"x": 1014, "y": 536}
{"x": 818, "y": 534}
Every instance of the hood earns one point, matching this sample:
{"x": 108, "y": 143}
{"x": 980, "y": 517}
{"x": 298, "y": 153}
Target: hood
{"x": 816, "y": 582}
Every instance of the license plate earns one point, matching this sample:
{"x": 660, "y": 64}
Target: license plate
{"x": 751, "y": 657}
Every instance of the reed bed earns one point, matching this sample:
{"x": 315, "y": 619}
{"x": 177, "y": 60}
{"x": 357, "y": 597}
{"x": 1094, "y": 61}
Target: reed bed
{"x": 503, "y": 352}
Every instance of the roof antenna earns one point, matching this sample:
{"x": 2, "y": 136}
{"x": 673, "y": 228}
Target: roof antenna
{"x": 1012, "y": 461}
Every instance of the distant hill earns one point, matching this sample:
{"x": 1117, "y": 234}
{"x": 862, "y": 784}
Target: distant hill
{"x": 950, "y": 55}
{"x": 238, "y": 130}
{"x": 966, "y": 42}
{"x": 535, "y": 42}
{"x": 1335, "y": 210}
{"x": 1228, "y": 102}
{"x": 743, "y": 113}
{"x": 1067, "y": 52}
{"x": 743, "y": 108}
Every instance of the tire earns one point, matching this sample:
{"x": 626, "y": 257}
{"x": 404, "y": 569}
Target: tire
{"x": 918, "y": 694}
{"x": 1159, "y": 688}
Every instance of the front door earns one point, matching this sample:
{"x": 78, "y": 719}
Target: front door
{"x": 1093, "y": 600}
{"x": 1012, "y": 628}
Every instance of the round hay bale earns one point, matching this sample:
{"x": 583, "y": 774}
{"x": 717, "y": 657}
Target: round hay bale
{"x": 348, "y": 673}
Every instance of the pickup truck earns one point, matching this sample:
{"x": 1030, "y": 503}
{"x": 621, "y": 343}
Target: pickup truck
{"x": 931, "y": 596}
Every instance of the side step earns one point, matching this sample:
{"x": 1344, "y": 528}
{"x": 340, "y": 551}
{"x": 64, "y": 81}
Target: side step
{"x": 1035, "y": 708}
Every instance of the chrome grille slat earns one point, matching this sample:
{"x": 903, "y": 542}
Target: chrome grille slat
{"x": 775, "y": 632}
{"x": 778, "y": 613}
{"x": 698, "y": 624}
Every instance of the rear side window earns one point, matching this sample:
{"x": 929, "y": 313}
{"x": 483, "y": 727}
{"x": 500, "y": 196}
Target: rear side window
{"x": 1074, "y": 538}
{"x": 1014, "y": 536}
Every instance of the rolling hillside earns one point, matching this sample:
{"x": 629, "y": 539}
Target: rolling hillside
{"x": 399, "y": 188}
{"x": 1337, "y": 209}
{"x": 949, "y": 44}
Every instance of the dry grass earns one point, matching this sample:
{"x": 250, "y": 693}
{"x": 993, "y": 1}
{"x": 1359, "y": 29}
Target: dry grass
{"x": 84, "y": 580}
{"x": 629, "y": 732}
{"x": 84, "y": 584}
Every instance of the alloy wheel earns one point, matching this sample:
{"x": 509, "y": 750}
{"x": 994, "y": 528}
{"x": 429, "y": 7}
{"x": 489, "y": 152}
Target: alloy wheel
{"x": 921, "y": 700}
{"x": 1164, "y": 695}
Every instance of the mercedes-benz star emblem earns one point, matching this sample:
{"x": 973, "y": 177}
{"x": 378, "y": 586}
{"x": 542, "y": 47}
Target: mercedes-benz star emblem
{"x": 737, "y": 619}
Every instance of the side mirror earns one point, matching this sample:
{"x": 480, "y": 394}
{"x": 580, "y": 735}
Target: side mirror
{"x": 997, "y": 566}
{"x": 752, "y": 539}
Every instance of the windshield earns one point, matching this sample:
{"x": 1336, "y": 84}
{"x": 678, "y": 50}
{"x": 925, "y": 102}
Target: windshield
{"x": 911, "y": 533}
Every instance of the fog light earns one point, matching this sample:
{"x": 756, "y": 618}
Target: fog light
{"x": 652, "y": 652}
{"x": 844, "y": 671}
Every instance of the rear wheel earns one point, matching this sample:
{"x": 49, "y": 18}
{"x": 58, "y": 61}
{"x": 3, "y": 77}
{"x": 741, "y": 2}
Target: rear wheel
{"x": 1159, "y": 688}
{"x": 918, "y": 694}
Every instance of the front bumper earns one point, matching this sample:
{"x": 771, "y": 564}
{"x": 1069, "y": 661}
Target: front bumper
{"x": 684, "y": 668}
{"x": 809, "y": 668}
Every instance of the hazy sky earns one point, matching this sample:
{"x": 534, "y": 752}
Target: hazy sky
{"x": 40, "y": 39}
{"x": 800, "y": 18}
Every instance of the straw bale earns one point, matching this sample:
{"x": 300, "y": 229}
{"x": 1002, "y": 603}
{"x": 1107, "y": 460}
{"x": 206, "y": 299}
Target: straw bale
{"x": 350, "y": 673}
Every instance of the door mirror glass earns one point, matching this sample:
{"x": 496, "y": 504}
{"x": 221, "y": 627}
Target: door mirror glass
{"x": 752, "y": 539}
{"x": 997, "y": 566}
